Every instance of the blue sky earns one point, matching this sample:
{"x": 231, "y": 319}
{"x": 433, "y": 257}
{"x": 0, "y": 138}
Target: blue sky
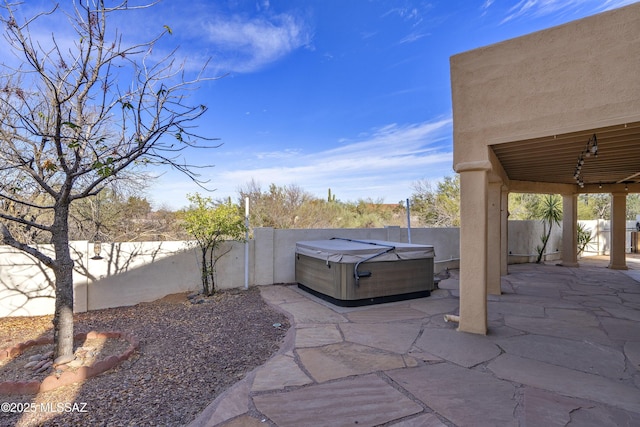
{"x": 352, "y": 95}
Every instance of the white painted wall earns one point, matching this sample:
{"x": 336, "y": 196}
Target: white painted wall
{"x": 525, "y": 236}
{"x": 129, "y": 273}
{"x": 601, "y": 236}
{"x": 136, "y": 272}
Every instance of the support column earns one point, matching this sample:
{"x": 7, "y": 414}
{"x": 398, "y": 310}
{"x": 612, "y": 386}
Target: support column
{"x": 504, "y": 235}
{"x": 494, "y": 246}
{"x": 473, "y": 246}
{"x": 617, "y": 257}
{"x": 570, "y": 230}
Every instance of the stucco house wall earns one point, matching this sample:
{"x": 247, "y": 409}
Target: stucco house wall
{"x": 555, "y": 81}
{"x": 578, "y": 77}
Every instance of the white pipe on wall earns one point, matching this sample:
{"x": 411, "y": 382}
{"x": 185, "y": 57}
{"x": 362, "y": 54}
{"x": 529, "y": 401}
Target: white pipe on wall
{"x": 246, "y": 243}
{"x": 408, "y": 222}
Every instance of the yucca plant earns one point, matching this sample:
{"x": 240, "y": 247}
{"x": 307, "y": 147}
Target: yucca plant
{"x": 584, "y": 238}
{"x": 550, "y": 213}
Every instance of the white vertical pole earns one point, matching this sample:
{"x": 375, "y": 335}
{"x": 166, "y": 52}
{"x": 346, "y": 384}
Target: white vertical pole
{"x": 246, "y": 243}
{"x": 408, "y": 222}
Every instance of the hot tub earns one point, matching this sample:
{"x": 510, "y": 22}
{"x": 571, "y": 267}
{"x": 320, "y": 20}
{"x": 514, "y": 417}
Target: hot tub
{"x": 359, "y": 272}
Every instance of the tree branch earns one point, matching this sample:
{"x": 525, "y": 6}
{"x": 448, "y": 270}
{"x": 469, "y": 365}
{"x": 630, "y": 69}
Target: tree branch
{"x": 8, "y": 239}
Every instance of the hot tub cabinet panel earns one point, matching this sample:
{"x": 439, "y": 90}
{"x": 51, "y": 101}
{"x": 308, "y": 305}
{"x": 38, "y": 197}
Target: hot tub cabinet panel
{"x": 395, "y": 271}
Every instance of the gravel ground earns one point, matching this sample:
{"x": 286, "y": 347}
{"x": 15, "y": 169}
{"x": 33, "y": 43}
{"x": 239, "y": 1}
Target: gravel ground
{"x": 189, "y": 354}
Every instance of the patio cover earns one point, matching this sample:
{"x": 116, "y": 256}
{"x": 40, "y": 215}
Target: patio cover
{"x": 553, "y": 112}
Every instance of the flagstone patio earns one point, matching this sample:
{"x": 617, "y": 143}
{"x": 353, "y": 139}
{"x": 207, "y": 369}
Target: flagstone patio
{"x": 563, "y": 348}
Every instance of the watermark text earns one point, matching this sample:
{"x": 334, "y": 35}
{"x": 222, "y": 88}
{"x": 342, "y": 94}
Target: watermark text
{"x": 55, "y": 407}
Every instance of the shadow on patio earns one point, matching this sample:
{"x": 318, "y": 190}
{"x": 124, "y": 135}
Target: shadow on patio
{"x": 563, "y": 349}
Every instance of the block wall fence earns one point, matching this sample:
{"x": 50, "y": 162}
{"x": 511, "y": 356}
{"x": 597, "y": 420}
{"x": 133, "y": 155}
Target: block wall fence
{"x": 133, "y": 272}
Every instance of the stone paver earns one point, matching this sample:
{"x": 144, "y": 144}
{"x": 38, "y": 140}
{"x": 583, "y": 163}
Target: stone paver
{"x": 620, "y": 329}
{"x": 589, "y": 289}
{"x": 557, "y": 328}
{"x": 393, "y": 337}
{"x": 577, "y": 316}
{"x": 584, "y": 356}
{"x": 424, "y": 420}
{"x": 546, "y": 290}
{"x": 453, "y": 346}
{"x": 244, "y": 421}
{"x": 563, "y": 349}
{"x": 541, "y": 301}
{"x": 425, "y": 356}
{"x": 361, "y": 401}
{"x": 231, "y": 404}
{"x": 499, "y": 332}
{"x": 518, "y": 308}
{"x": 307, "y": 311}
{"x": 342, "y": 360}
{"x": 316, "y": 336}
{"x": 594, "y": 300}
{"x": 567, "y": 382}
{"x": 463, "y": 396}
{"x": 634, "y": 274}
{"x": 630, "y": 298}
{"x": 435, "y": 306}
{"x": 623, "y": 313}
{"x": 279, "y": 372}
{"x": 280, "y": 294}
{"x": 632, "y": 351}
{"x": 602, "y": 416}
{"x": 390, "y": 313}
{"x": 542, "y": 408}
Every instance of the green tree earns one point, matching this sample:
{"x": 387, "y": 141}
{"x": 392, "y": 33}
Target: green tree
{"x": 439, "y": 206}
{"x": 633, "y": 206}
{"x": 211, "y": 224}
{"x": 550, "y": 212}
{"x": 525, "y": 206}
{"x": 290, "y": 206}
{"x": 71, "y": 124}
{"x": 594, "y": 206}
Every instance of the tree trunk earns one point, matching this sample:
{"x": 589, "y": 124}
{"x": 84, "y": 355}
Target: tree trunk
{"x": 212, "y": 270}
{"x": 63, "y": 270}
{"x": 544, "y": 244}
{"x": 205, "y": 275}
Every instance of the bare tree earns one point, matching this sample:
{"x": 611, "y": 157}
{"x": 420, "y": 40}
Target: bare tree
{"x": 76, "y": 116}
{"x": 278, "y": 207}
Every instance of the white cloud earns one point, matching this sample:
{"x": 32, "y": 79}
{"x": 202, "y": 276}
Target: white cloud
{"x": 383, "y": 164}
{"x": 485, "y": 7}
{"x": 613, "y": 4}
{"x": 413, "y": 37}
{"x": 537, "y": 8}
{"x": 243, "y": 45}
{"x": 286, "y": 154}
